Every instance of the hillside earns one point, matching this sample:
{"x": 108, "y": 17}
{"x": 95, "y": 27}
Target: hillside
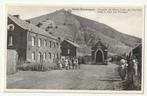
{"x": 85, "y": 32}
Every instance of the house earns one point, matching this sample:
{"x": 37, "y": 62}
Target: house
{"x": 137, "y": 52}
{"x": 99, "y": 53}
{"x": 69, "y": 48}
{"x": 30, "y": 43}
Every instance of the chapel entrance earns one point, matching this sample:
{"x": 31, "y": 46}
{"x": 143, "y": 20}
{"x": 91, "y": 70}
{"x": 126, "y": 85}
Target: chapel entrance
{"x": 99, "y": 57}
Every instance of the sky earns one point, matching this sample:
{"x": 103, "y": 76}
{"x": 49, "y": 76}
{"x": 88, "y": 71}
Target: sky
{"x": 125, "y": 19}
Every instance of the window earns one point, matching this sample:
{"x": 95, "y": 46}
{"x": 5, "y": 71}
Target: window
{"x": 10, "y": 40}
{"x": 39, "y": 42}
{"x": 68, "y": 51}
{"x": 50, "y": 55}
{"x": 50, "y": 44}
{"x": 10, "y": 27}
{"x": 44, "y": 56}
{"x": 54, "y": 44}
{"x": 39, "y": 56}
{"x": 33, "y": 56}
{"x": 44, "y": 43}
{"x": 33, "y": 40}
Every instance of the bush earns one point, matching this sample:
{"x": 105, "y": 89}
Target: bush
{"x": 36, "y": 67}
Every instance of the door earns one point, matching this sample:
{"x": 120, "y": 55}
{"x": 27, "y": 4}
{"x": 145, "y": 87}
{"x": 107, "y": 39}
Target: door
{"x": 99, "y": 57}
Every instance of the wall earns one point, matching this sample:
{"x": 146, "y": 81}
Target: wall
{"x": 64, "y": 49}
{"x": 43, "y": 49}
{"x": 12, "y": 57}
{"x": 19, "y": 41}
{"x": 87, "y": 59}
{"x": 19, "y": 35}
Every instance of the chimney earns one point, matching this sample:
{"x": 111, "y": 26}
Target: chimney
{"x": 17, "y": 16}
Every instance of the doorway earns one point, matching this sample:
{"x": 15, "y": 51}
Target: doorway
{"x": 99, "y": 57}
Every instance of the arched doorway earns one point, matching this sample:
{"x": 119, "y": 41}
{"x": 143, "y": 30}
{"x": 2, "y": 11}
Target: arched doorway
{"x": 99, "y": 57}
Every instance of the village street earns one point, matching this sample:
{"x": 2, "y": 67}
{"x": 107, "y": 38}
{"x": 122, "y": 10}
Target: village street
{"x": 88, "y": 77}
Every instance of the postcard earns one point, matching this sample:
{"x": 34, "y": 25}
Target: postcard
{"x": 85, "y": 49}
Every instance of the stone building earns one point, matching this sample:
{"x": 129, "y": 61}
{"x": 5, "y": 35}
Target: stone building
{"x": 69, "y": 48}
{"x": 99, "y": 53}
{"x": 31, "y": 43}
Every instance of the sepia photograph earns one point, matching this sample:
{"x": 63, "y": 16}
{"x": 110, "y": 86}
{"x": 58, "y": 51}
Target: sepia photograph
{"x": 89, "y": 48}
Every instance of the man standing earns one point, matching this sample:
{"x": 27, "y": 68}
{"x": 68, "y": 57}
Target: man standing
{"x": 66, "y": 63}
{"x": 123, "y": 69}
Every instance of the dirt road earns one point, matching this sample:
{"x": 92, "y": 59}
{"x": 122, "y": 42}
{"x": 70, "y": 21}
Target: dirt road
{"x": 88, "y": 77}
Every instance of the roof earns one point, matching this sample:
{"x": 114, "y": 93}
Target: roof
{"x": 74, "y": 44}
{"x": 99, "y": 43}
{"x": 138, "y": 46}
{"x": 28, "y": 26}
{"x": 133, "y": 49}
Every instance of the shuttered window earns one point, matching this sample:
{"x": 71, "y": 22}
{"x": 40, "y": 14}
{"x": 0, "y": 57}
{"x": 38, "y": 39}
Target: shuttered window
{"x": 50, "y": 44}
{"x": 39, "y": 56}
{"x": 33, "y": 40}
{"x": 50, "y": 55}
{"x": 44, "y": 56}
{"x": 45, "y": 43}
{"x": 39, "y": 42}
{"x": 33, "y": 56}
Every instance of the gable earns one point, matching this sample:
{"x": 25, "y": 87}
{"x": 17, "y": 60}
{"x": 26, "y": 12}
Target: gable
{"x": 66, "y": 44}
{"x": 100, "y": 45}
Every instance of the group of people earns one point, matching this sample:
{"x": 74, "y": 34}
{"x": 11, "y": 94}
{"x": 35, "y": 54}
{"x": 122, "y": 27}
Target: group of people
{"x": 128, "y": 67}
{"x": 68, "y": 63}
{"x": 129, "y": 70}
